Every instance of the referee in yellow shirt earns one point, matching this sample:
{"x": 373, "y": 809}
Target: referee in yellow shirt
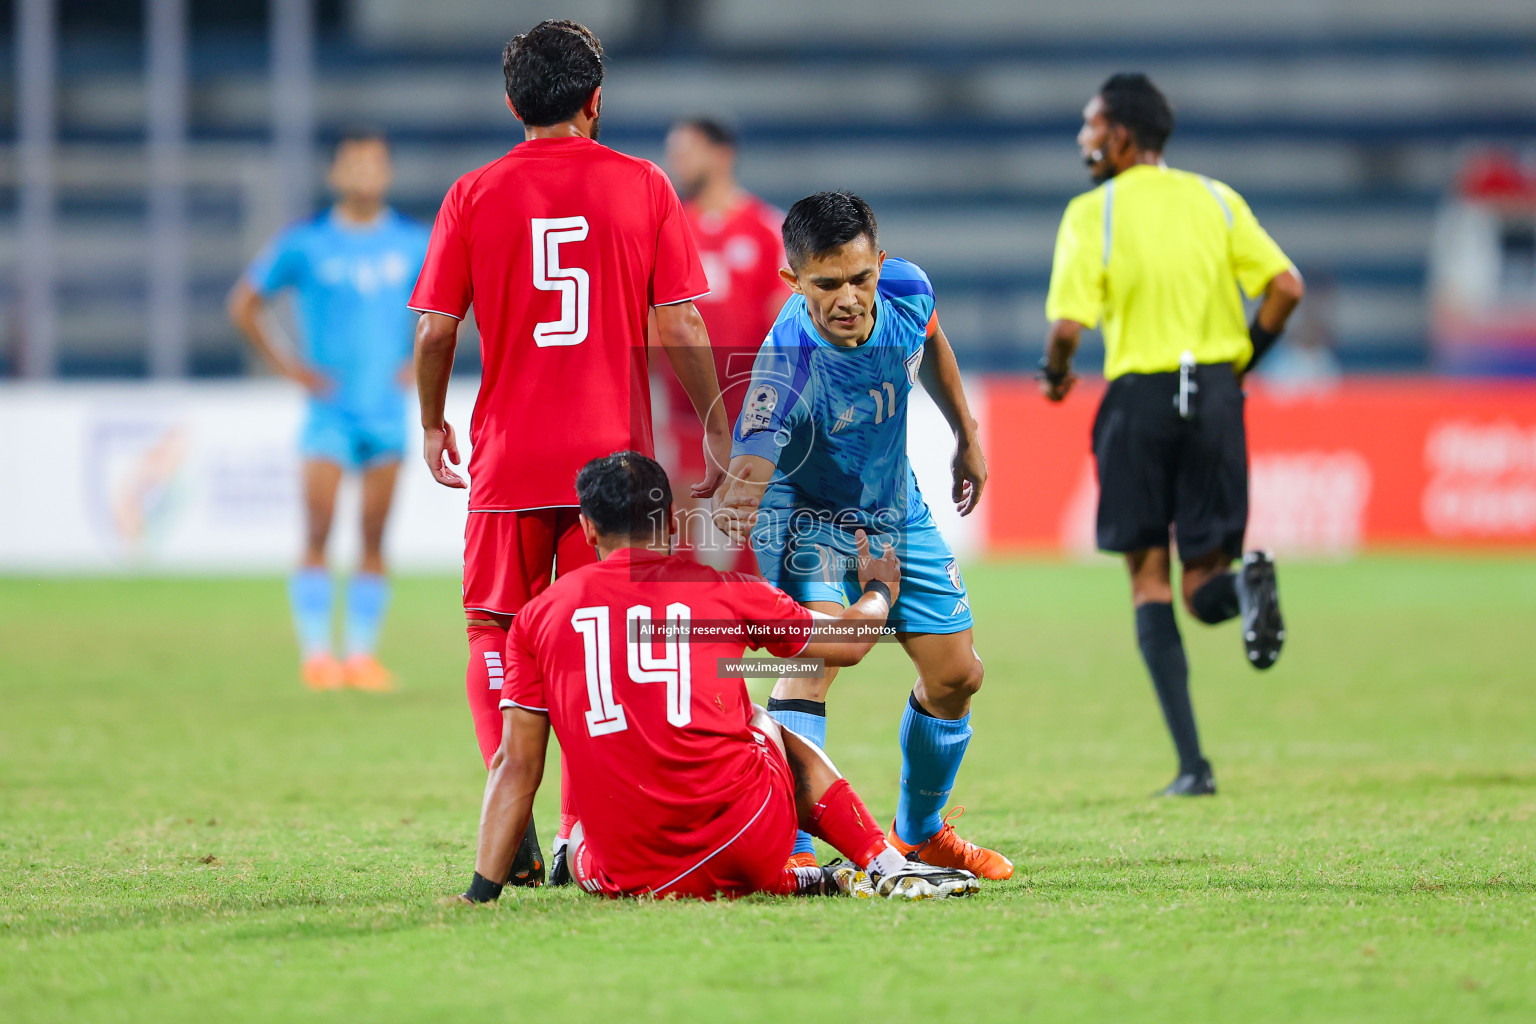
{"x": 1159, "y": 255}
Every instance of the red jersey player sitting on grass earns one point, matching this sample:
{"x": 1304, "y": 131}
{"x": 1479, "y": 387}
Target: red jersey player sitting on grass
{"x": 681, "y": 786}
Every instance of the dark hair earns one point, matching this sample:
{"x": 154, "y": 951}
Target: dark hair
{"x": 551, "y": 71}
{"x": 825, "y": 221}
{"x": 717, "y": 132}
{"x": 359, "y": 133}
{"x": 1131, "y": 100}
{"x": 625, "y": 494}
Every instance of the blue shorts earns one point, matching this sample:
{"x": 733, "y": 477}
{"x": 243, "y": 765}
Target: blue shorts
{"x": 354, "y": 442}
{"x": 813, "y": 559}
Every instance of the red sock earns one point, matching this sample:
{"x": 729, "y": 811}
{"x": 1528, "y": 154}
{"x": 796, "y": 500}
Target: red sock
{"x": 840, "y": 818}
{"x": 482, "y": 685}
{"x": 568, "y": 817}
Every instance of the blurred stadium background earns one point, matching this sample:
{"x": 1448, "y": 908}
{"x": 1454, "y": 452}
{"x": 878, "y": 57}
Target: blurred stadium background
{"x": 150, "y": 147}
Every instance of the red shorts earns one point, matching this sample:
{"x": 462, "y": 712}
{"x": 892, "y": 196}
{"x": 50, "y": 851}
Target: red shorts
{"x": 511, "y": 557}
{"x": 746, "y": 859}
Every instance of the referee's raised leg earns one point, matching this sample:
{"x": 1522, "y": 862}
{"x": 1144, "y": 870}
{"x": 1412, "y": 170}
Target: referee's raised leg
{"x": 1162, "y": 257}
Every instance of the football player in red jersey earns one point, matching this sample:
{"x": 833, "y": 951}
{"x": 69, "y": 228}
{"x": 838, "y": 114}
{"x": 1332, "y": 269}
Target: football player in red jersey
{"x": 739, "y": 244}
{"x": 564, "y": 248}
{"x": 682, "y": 786}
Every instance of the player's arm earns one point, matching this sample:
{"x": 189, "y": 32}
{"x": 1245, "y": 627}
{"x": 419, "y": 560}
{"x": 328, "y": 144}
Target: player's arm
{"x": 516, "y": 771}
{"x": 680, "y": 331}
{"x": 735, "y": 504}
{"x": 775, "y": 408}
{"x": 437, "y": 335}
{"x": 845, "y": 639}
{"x": 1056, "y": 376}
{"x": 247, "y": 311}
{"x": 940, "y": 374}
{"x": 1281, "y": 297}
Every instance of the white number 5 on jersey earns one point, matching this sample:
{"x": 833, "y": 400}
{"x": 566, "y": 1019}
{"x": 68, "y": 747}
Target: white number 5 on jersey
{"x": 572, "y": 283}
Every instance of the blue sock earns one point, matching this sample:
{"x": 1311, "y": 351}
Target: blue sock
{"x": 309, "y": 593}
{"x": 931, "y": 751}
{"x": 367, "y": 597}
{"x": 808, "y": 720}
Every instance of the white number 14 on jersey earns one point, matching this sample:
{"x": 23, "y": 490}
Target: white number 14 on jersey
{"x": 605, "y": 714}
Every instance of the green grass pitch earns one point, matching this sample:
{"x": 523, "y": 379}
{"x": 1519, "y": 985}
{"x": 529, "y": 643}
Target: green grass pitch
{"x": 185, "y": 834}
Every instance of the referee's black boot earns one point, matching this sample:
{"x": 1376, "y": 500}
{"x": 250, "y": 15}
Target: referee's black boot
{"x": 1200, "y": 782}
{"x": 1258, "y": 597}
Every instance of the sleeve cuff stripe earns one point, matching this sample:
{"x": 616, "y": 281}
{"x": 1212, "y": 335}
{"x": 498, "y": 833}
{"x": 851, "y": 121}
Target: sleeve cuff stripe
{"x": 675, "y": 302}
{"x": 423, "y": 309}
{"x": 505, "y": 703}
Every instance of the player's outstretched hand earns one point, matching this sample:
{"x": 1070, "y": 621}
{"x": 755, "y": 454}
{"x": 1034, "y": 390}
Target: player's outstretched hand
{"x": 440, "y": 447}
{"x": 886, "y": 568}
{"x": 970, "y": 474}
{"x": 717, "y": 456}
{"x": 735, "y": 508}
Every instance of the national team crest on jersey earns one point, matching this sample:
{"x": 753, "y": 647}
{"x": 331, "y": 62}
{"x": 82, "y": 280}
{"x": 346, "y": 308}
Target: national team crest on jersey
{"x": 913, "y": 362}
{"x": 953, "y": 569}
{"x": 757, "y": 414}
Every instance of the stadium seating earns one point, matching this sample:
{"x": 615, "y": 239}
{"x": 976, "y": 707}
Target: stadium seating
{"x": 1342, "y": 134}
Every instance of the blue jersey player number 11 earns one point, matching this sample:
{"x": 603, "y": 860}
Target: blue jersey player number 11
{"x": 820, "y": 452}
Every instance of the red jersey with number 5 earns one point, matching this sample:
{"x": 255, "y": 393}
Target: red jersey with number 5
{"x": 562, "y": 246}
{"x": 662, "y": 761}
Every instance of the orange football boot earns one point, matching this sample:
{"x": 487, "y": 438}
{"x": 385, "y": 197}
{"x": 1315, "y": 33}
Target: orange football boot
{"x": 364, "y": 672}
{"x": 322, "y": 672}
{"x": 946, "y": 850}
{"x": 801, "y": 860}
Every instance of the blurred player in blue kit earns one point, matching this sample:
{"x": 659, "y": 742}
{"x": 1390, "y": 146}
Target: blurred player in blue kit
{"x": 820, "y": 452}
{"x": 352, "y": 268}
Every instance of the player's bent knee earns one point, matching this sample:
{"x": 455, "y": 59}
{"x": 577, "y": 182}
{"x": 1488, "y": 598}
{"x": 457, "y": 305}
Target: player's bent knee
{"x": 970, "y": 683}
{"x": 951, "y": 692}
{"x": 765, "y": 724}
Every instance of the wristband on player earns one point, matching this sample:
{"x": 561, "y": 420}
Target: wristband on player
{"x": 1263, "y": 340}
{"x": 482, "y": 889}
{"x": 879, "y": 587}
{"x": 1055, "y": 378}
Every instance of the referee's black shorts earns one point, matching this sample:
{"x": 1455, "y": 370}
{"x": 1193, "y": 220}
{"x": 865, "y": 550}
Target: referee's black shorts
{"x": 1158, "y": 470}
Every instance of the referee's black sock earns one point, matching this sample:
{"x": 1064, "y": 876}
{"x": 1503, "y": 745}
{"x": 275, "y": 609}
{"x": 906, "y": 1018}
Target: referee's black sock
{"x": 1215, "y": 600}
{"x": 1163, "y": 650}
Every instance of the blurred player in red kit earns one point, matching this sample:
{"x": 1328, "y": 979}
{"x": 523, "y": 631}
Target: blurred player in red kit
{"x": 739, "y": 245}
{"x": 564, "y": 248}
{"x": 683, "y": 788}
